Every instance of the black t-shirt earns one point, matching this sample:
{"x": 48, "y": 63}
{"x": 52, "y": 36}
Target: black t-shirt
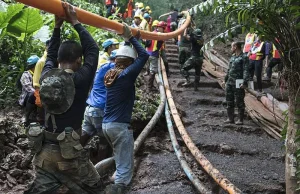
{"x": 196, "y": 45}
{"x": 82, "y": 78}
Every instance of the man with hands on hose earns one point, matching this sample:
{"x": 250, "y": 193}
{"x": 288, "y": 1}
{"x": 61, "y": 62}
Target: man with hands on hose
{"x": 238, "y": 69}
{"x": 120, "y": 97}
{"x": 59, "y": 157}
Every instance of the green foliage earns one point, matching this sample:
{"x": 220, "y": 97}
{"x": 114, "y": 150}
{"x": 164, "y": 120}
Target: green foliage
{"x": 27, "y": 21}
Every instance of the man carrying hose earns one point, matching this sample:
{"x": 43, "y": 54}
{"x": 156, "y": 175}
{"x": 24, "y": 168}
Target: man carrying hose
{"x": 59, "y": 157}
{"x": 93, "y": 115}
{"x": 184, "y": 49}
{"x": 120, "y": 96}
{"x": 238, "y": 69}
{"x": 196, "y": 59}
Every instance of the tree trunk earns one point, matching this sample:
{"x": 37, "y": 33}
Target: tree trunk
{"x": 291, "y": 147}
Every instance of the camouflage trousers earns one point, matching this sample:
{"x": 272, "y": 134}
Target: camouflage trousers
{"x": 193, "y": 62}
{"x": 233, "y": 93}
{"x": 184, "y": 55}
{"x": 52, "y": 170}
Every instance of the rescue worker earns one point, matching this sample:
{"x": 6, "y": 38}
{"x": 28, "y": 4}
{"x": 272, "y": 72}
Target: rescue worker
{"x": 120, "y": 86}
{"x": 238, "y": 69}
{"x": 59, "y": 156}
{"x": 249, "y": 39}
{"x": 145, "y": 22}
{"x": 153, "y": 48}
{"x": 108, "y": 45}
{"x": 136, "y": 7}
{"x": 139, "y": 11}
{"x": 274, "y": 60}
{"x": 36, "y": 84}
{"x": 196, "y": 59}
{"x": 163, "y": 54}
{"x": 109, "y": 6}
{"x": 92, "y": 123}
{"x": 174, "y": 22}
{"x": 130, "y": 10}
{"x": 184, "y": 50}
{"x": 137, "y": 21}
{"x": 147, "y": 9}
{"x": 27, "y": 99}
{"x": 256, "y": 56}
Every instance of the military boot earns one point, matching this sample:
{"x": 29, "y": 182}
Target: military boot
{"x": 196, "y": 83}
{"x": 187, "y": 82}
{"x": 241, "y": 117}
{"x": 115, "y": 189}
{"x": 150, "y": 85}
{"x": 230, "y": 114}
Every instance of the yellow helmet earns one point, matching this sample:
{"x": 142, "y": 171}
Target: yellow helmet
{"x": 137, "y": 4}
{"x": 150, "y": 11}
{"x": 141, "y": 5}
{"x": 155, "y": 22}
{"x": 147, "y": 7}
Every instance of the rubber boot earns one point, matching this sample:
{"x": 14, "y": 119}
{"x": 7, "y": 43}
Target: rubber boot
{"x": 187, "y": 82}
{"x": 150, "y": 82}
{"x": 241, "y": 117}
{"x": 230, "y": 114}
{"x": 28, "y": 110}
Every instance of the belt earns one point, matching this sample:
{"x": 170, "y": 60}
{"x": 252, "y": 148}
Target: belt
{"x": 53, "y": 136}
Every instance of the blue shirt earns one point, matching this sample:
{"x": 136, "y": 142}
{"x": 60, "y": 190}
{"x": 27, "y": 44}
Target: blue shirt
{"x": 121, "y": 95}
{"x": 97, "y": 96}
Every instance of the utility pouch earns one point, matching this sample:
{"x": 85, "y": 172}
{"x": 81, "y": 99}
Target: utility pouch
{"x": 69, "y": 144}
{"x": 36, "y": 137}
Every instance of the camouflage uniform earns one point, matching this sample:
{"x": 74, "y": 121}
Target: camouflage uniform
{"x": 184, "y": 50}
{"x": 238, "y": 69}
{"x": 196, "y": 59}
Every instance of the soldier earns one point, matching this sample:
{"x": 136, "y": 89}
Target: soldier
{"x": 59, "y": 156}
{"x": 238, "y": 69}
{"x": 184, "y": 49}
{"x": 196, "y": 59}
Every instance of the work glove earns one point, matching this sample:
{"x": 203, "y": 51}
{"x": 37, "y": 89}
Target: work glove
{"x": 127, "y": 34}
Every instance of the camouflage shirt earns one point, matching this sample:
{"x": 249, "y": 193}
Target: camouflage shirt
{"x": 238, "y": 69}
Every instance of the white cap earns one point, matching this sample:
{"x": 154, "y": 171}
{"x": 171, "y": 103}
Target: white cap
{"x": 126, "y": 51}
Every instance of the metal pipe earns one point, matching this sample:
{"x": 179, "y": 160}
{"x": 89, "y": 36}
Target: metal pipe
{"x": 202, "y": 160}
{"x": 55, "y": 7}
{"x": 104, "y": 165}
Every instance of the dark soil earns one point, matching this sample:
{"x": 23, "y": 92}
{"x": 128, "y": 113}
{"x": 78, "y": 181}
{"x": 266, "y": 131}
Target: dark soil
{"x": 246, "y": 155}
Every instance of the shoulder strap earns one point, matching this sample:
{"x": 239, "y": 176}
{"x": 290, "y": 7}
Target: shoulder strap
{"x": 48, "y": 115}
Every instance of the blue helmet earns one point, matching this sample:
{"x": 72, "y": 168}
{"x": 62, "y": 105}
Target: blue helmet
{"x": 146, "y": 16}
{"x": 109, "y": 42}
{"x": 113, "y": 54}
{"x": 31, "y": 61}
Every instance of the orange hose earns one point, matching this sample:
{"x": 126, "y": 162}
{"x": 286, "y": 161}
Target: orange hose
{"x": 55, "y": 7}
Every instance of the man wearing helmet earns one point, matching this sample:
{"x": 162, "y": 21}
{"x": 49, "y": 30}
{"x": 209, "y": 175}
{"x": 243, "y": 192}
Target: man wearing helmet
{"x": 196, "y": 59}
{"x": 137, "y": 21}
{"x": 153, "y": 48}
{"x": 92, "y": 123}
{"x": 59, "y": 156}
{"x": 119, "y": 83}
{"x": 27, "y": 98}
{"x": 145, "y": 22}
{"x": 108, "y": 45}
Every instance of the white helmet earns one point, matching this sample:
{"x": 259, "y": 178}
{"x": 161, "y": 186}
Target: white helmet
{"x": 126, "y": 51}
